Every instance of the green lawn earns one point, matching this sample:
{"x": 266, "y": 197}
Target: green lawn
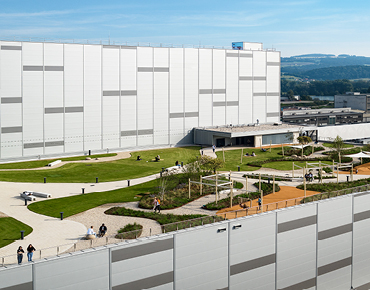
{"x": 10, "y": 230}
{"x": 232, "y": 158}
{"x": 78, "y": 203}
{"x": 43, "y": 163}
{"x": 121, "y": 169}
{"x": 288, "y": 165}
{"x": 330, "y": 145}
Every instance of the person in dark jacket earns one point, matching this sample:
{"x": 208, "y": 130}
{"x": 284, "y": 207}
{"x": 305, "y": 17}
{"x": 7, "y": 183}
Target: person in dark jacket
{"x": 30, "y": 250}
{"x": 20, "y": 253}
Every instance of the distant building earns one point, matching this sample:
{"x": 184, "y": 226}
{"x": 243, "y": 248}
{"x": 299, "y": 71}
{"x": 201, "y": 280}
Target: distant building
{"x": 356, "y": 101}
{"x": 322, "y": 117}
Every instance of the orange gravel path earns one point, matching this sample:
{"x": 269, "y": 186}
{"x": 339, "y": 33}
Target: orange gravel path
{"x": 287, "y": 196}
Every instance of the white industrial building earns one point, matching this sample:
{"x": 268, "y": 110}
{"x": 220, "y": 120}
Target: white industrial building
{"x": 63, "y": 98}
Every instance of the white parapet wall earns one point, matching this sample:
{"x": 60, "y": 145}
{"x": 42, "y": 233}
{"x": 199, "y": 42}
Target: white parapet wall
{"x": 346, "y": 132}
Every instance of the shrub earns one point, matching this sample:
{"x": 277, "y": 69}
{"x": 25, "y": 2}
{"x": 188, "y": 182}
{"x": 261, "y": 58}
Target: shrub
{"x": 129, "y": 231}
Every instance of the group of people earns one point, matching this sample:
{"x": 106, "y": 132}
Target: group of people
{"x": 252, "y": 154}
{"x": 30, "y": 250}
{"x": 102, "y": 231}
{"x": 309, "y": 176}
{"x": 157, "y": 205}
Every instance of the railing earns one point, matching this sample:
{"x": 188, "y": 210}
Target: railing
{"x": 291, "y": 202}
{"x": 106, "y": 240}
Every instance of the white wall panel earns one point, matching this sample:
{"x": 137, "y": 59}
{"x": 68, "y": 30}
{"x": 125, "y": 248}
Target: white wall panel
{"x": 110, "y": 69}
{"x": 195, "y": 252}
{"x": 232, "y": 79}
{"x": 32, "y": 53}
{"x": 191, "y": 80}
{"x": 273, "y": 79}
{"x": 66, "y": 273}
{"x": 128, "y": 119}
{"x": 11, "y": 145}
{"x": 54, "y": 131}
{"x": 176, "y": 80}
{"x": 273, "y": 104}
{"x": 273, "y": 56}
{"x": 145, "y": 100}
{"x": 245, "y": 102}
{"x": 259, "y": 63}
{"x": 128, "y": 69}
{"x": 177, "y": 130}
{"x": 296, "y": 248}
{"x": 339, "y": 279}
{"x": 219, "y": 115}
{"x": 33, "y": 107}
{"x": 205, "y": 69}
{"x": 73, "y": 75}
{"x": 232, "y": 115}
{"x": 53, "y": 54}
{"x": 190, "y": 123}
{"x": 259, "y": 109}
{"x": 205, "y": 110}
{"x": 11, "y": 115}
{"x": 219, "y": 63}
{"x": 92, "y": 97}
{"x": 161, "y": 57}
{"x": 161, "y": 108}
{"x": 259, "y": 86}
{"x": 245, "y": 64}
{"x": 253, "y": 240}
{"x": 361, "y": 238}
{"x": 10, "y": 73}
{"x": 219, "y": 97}
{"x": 73, "y": 132}
{"x": 53, "y": 89}
{"x": 111, "y": 130}
{"x": 145, "y": 57}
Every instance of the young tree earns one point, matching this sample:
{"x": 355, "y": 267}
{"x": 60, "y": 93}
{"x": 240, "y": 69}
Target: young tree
{"x": 303, "y": 140}
{"x": 210, "y": 164}
{"x": 338, "y": 145}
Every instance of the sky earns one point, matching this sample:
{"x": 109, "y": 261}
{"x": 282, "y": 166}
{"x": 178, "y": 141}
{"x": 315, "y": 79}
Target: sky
{"x": 290, "y": 26}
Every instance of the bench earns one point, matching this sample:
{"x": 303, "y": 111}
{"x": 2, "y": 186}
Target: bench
{"x": 39, "y": 194}
{"x": 27, "y": 196}
{"x": 54, "y": 163}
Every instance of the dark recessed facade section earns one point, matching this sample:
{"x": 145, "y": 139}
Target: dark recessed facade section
{"x": 33, "y": 68}
{"x": 259, "y": 94}
{"x": 142, "y": 250}
{"x": 145, "y": 132}
{"x": 296, "y": 224}
{"x": 252, "y": 264}
{"x": 11, "y": 47}
{"x": 334, "y": 266}
{"x": 54, "y": 143}
{"x": 210, "y": 91}
{"x": 232, "y": 55}
{"x": 58, "y": 110}
{"x": 74, "y": 109}
{"x": 33, "y": 145}
{"x": 272, "y": 114}
{"x": 129, "y": 93}
{"x": 361, "y": 216}
{"x": 273, "y": 63}
{"x": 335, "y": 232}
{"x": 54, "y": 68}
{"x": 191, "y": 114}
{"x": 161, "y": 69}
{"x": 7, "y": 130}
{"x": 111, "y": 46}
{"x": 128, "y": 133}
{"x": 176, "y": 115}
{"x": 145, "y": 69}
{"x": 147, "y": 283}
{"x": 14, "y": 100}
{"x": 246, "y": 55}
{"x": 310, "y": 283}
{"x": 128, "y": 47}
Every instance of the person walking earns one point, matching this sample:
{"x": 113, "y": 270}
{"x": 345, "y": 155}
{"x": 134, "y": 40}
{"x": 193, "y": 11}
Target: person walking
{"x": 20, "y": 253}
{"x": 158, "y": 207}
{"x": 213, "y": 148}
{"x": 155, "y": 204}
{"x": 259, "y": 203}
{"x": 30, "y": 250}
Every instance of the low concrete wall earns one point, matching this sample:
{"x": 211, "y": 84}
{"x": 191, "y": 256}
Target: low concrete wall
{"x": 321, "y": 245}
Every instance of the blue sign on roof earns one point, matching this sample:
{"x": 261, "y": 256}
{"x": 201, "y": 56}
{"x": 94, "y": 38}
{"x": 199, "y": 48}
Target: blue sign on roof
{"x": 237, "y": 45}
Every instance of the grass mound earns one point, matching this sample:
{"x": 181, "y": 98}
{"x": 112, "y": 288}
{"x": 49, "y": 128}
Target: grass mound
{"x": 10, "y": 230}
{"x": 130, "y": 231}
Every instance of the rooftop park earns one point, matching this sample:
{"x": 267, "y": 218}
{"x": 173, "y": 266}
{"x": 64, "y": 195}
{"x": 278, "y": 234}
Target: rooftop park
{"x": 121, "y": 169}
